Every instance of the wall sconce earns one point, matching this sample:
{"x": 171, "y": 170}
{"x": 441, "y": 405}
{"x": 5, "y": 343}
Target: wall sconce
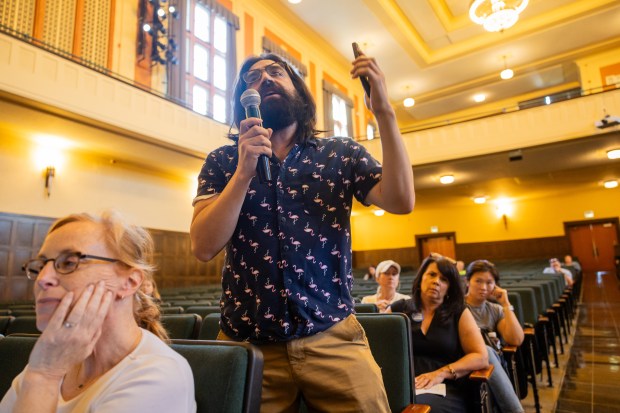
{"x": 50, "y": 171}
{"x": 504, "y": 208}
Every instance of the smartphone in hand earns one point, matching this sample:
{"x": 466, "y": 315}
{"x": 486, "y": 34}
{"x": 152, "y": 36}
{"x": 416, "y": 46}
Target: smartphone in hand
{"x": 356, "y": 52}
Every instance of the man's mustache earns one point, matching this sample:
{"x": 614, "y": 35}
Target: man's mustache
{"x": 270, "y": 88}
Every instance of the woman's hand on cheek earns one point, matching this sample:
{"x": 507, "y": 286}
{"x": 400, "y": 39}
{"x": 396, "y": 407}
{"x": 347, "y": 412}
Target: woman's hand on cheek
{"x": 72, "y": 331}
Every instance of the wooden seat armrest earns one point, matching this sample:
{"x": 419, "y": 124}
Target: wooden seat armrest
{"x": 556, "y": 305}
{"x": 562, "y": 299}
{"x": 509, "y": 349}
{"x": 417, "y": 408}
{"x": 482, "y": 374}
{"x": 528, "y": 331}
{"x": 543, "y": 319}
{"x": 550, "y": 311}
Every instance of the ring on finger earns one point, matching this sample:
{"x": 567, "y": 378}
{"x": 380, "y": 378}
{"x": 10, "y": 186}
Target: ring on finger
{"x": 68, "y": 324}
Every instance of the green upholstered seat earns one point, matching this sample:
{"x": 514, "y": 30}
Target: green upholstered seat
{"x": 182, "y": 326}
{"x": 227, "y": 375}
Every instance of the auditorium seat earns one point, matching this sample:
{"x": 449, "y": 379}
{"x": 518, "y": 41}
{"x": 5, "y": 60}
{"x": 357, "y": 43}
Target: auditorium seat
{"x": 389, "y": 338}
{"x": 14, "y": 353}
{"x": 23, "y": 325}
{"x": 4, "y": 323}
{"x": 203, "y": 310}
{"x": 210, "y": 327}
{"x": 172, "y": 310}
{"x": 182, "y": 326}
{"x": 227, "y": 375}
{"x": 366, "y": 308}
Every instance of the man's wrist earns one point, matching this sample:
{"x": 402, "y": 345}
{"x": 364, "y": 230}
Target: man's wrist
{"x": 509, "y": 307}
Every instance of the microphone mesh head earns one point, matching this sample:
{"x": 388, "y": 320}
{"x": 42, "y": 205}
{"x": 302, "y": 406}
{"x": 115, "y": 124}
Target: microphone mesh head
{"x": 250, "y": 97}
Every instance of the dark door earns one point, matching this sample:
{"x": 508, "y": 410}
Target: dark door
{"x": 593, "y": 244}
{"x": 444, "y": 244}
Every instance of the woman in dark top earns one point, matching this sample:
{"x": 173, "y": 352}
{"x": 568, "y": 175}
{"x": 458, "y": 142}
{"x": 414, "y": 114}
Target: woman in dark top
{"x": 447, "y": 344}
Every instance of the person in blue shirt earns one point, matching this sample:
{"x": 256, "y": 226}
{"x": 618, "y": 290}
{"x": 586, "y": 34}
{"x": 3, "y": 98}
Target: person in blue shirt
{"x": 288, "y": 269}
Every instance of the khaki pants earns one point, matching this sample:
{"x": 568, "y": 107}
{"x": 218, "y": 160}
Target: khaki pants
{"x": 333, "y": 370}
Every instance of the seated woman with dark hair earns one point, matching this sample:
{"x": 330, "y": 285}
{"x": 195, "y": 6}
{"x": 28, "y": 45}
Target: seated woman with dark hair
{"x": 102, "y": 347}
{"x": 447, "y": 344}
{"x": 497, "y": 316}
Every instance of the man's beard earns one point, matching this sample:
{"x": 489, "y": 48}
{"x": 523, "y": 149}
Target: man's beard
{"x": 279, "y": 113}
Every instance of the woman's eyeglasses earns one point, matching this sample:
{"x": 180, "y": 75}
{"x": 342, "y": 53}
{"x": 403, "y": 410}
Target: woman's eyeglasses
{"x": 65, "y": 263}
{"x": 274, "y": 70}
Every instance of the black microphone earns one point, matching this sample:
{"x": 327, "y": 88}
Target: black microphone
{"x": 250, "y": 100}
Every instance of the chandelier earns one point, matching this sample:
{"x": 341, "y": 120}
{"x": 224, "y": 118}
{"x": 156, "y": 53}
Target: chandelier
{"x": 496, "y": 15}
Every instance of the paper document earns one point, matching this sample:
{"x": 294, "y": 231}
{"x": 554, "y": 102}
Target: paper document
{"x": 438, "y": 389}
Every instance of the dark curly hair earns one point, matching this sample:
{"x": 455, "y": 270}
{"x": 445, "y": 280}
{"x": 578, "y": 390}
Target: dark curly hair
{"x": 453, "y": 302}
{"x": 306, "y": 126}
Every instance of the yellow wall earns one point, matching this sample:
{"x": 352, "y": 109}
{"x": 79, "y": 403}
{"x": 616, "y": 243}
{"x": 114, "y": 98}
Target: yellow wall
{"x": 87, "y": 183}
{"x": 590, "y": 68}
{"x": 542, "y": 216}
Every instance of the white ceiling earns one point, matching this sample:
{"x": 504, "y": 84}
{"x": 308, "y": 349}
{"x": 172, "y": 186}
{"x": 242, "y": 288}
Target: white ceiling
{"x": 432, "y": 51}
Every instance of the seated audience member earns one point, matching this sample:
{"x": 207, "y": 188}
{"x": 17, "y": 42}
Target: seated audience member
{"x": 568, "y": 262}
{"x": 556, "y": 268}
{"x": 149, "y": 288}
{"x": 447, "y": 343}
{"x": 388, "y": 278}
{"x": 460, "y": 267}
{"x": 496, "y": 316}
{"x": 371, "y": 274}
{"x": 102, "y": 347}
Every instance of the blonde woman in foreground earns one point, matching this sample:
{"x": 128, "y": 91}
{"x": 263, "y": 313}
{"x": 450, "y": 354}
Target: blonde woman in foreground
{"x": 102, "y": 347}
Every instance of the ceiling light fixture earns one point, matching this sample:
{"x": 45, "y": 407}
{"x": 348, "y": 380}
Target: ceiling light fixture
{"x": 480, "y": 199}
{"x": 613, "y": 154}
{"x": 506, "y": 73}
{"x": 479, "y": 98}
{"x": 409, "y": 102}
{"x": 496, "y": 15}
{"x": 613, "y": 183}
{"x": 379, "y": 212}
{"x": 294, "y": 1}
{"x": 446, "y": 179}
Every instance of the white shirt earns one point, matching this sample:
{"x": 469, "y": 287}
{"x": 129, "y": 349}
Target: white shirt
{"x": 153, "y": 378}
{"x": 372, "y": 299}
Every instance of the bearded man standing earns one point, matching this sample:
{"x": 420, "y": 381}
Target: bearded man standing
{"x": 288, "y": 273}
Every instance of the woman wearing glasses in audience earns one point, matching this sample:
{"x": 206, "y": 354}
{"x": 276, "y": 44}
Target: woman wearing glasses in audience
{"x": 497, "y": 316}
{"x": 446, "y": 340}
{"x": 102, "y": 347}
{"x": 388, "y": 278}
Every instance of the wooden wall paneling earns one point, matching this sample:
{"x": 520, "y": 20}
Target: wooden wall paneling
{"x": 21, "y": 237}
{"x": 532, "y": 248}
